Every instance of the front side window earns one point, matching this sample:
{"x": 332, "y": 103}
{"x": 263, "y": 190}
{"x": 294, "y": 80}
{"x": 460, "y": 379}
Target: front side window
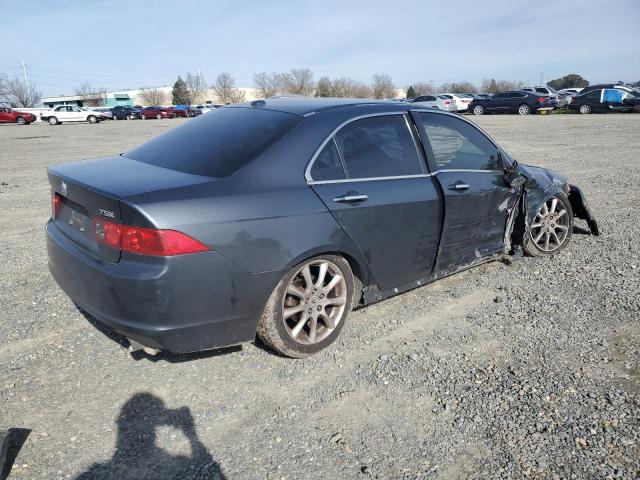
{"x": 380, "y": 146}
{"x": 458, "y": 145}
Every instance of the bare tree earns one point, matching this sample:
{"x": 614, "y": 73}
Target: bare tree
{"x": 152, "y": 96}
{"x": 298, "y": 82}
{"x": 225, "y": 89}
{"x": 196, "y": 87}
{"x": 91, "y": 97}
{"x": 494, "y": 86}
{"x": 268, "y": 84}
{"x": 458, "y": 87}
{"x": 17, "y": 93}
{"x": 343, "y": 88}
{"x": 424, "y": 88}
{"x": 383, "y": 86}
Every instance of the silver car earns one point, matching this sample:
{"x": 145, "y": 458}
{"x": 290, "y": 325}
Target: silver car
{"x": 437, "y": 102}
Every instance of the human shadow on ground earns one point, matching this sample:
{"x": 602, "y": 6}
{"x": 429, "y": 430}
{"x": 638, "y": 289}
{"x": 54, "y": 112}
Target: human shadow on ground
{"x": 137, "y": 454}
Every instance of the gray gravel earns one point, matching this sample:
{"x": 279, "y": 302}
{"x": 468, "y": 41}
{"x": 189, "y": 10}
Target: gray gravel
{"x": 528, "y": 370}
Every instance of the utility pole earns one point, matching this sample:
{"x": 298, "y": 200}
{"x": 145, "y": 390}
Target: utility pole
{"x": 24, "y": 69}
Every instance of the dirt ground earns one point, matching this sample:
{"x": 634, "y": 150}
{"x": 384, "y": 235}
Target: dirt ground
{"x": 502, "y": 371}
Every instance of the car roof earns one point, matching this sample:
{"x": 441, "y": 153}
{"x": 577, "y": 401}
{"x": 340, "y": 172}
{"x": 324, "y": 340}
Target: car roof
{"x": 306, "y": 105}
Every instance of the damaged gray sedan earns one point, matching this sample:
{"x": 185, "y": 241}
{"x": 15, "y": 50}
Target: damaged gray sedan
{"x": 275, "y": 218}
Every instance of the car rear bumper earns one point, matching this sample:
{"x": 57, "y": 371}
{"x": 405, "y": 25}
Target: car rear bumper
{"x": 181, "y": 304}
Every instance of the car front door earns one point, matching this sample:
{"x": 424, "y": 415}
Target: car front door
{"x": 372, "y": 178}
{"x": 477, "y": 198}
{"x": 497, "y": 103}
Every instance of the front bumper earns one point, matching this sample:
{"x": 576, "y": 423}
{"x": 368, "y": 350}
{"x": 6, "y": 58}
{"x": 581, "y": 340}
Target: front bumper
{"x": 181, "y": 304}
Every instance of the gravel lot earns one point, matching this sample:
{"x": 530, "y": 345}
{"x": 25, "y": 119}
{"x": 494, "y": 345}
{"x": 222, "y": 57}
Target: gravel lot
{"x": 528, "y": 370}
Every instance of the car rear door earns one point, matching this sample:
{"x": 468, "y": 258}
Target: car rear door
{"x": 477, "y": 198}
{"x": 5, "y": 115}
{"x": 497, "y": 103}
{"x": 372, "y": 178}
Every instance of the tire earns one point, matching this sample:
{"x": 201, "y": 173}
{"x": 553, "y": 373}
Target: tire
{"x": 115, "y": 117}
{"x": 92, "y": 119}
{"x": 585, "y": 109}
{"x": 478, "y": 110}
{"x": 129, "y": 117}
{"x": 143, "y": 116}
{"x": 560, "y": 224}
{"x": 159, "y": 117}
{"x": 292, "y": 335}
{"x": 53, "y": 121}
{"x": 21, "y": 121}
{"x": 524, "y": 109}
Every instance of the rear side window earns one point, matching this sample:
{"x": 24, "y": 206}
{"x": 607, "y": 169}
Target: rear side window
{"x": 217, "y": 144}
{"x": 458, "y": 145}
{"x": 328, "y": 165}
{"x": 379, "y": 146}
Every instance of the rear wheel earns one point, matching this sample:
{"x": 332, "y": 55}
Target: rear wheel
{"x": 143, "y": 116}
{"x": 585, "y": 109}
{"x": 309, "y": 307}
{"x": 478, "y": 110}
{"x": 158, "y": 116}
{"x": 524, "y": 109}
{"x": 53, "y": 121}
{"x": 128, "y": 117}
{"x": 550, "y": 230}
{"x": 21, "y": 121}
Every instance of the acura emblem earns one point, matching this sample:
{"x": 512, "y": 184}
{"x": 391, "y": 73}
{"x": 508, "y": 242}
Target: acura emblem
{"x": 64, "y": 188}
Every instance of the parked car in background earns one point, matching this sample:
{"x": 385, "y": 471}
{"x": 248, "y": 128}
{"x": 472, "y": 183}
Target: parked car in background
{"x": 184, "y": 111}
{"x": 107, "y": 114}
{"x": 125, "y": 112}
{"x": 9, "y": 115}
{"x": 185, "y": 243}
{"x": 461, "y": 100}
{"x": 513, "y": 101}
{"x": 605, "y": 100}
{"x": 600, "y": 86}
{"x": 155, "y": 112}
{"x": 435, "y": 102}
{"x": 70, "y": 113}
{"x": 543, "y": 89}
{"x": 571, "y": 91}
{"x": 478, "y": 95}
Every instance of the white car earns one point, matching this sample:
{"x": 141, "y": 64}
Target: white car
{"x": 70, "y": 113}
{"x": 570, "y": 91}
{"x": 432, "y": 101}
{"x": 462, "y": 100}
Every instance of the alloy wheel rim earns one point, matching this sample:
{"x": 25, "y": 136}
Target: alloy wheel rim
{"x": 524, "y": 109}
{"x": 550, "y": 226}
{"x": 477, "y": 110}
{"x": 314, "y": 302}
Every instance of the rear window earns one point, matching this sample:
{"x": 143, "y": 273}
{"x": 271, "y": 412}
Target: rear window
{"x": 217, "y": 144}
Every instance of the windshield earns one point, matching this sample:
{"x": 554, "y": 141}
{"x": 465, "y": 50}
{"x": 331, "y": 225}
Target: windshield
{"x": 216, "y": 145}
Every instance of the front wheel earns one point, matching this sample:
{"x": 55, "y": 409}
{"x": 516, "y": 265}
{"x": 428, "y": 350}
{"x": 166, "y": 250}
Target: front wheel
{"x": 92, "y": 119}
{"x": 309, "y": 307}
{"x": 53, "y": 121}
{"x": 585, "y": 109}
{"x": 21, "y": 121}
{"x": 550, "y": 230}
{"x": 478, "y": 110}
{"x": 159, "y": 117}
{"x": 524, "y": 109}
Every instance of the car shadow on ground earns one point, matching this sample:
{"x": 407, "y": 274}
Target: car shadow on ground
{"x": 137, "y": 454}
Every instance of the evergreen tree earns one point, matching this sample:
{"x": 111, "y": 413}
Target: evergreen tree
{"x": 180, "y": 92}
{"x": 411, "y": 93}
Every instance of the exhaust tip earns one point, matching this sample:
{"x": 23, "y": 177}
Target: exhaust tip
{"x": 137, "y": 346}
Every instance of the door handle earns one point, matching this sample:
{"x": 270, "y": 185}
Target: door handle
{"x": 351, "y": 198}
{"x": 459, "y": 186}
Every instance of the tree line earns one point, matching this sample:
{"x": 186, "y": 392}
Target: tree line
{"x": 193, "y": 88}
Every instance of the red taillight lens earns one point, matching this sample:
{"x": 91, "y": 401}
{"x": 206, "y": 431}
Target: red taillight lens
{"x": 447, "y": 102}
{"x": 542, "y": 99}
{"x": 57, "y": 205}
{"x": 145, "y": 241}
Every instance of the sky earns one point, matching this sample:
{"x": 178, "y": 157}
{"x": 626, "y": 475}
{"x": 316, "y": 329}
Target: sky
{"x": 125, "y": 44}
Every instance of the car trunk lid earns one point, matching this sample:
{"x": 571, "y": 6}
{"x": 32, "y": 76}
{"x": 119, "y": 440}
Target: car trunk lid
{"x": 94, "y": 189}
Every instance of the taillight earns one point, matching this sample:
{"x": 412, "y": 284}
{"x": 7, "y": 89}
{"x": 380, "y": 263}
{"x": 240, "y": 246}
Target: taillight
{"x": 145, "y": 241}
{"x": 542, "y": 99}
{"x": 57, "y": 205}
{"x": 447, "y": 102}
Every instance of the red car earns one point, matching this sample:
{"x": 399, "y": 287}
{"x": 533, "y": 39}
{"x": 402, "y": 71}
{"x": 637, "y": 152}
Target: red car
{"x": 8, "y": 115}
{"x": 177, "y": 112}
{"x": 156, "y": 112}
